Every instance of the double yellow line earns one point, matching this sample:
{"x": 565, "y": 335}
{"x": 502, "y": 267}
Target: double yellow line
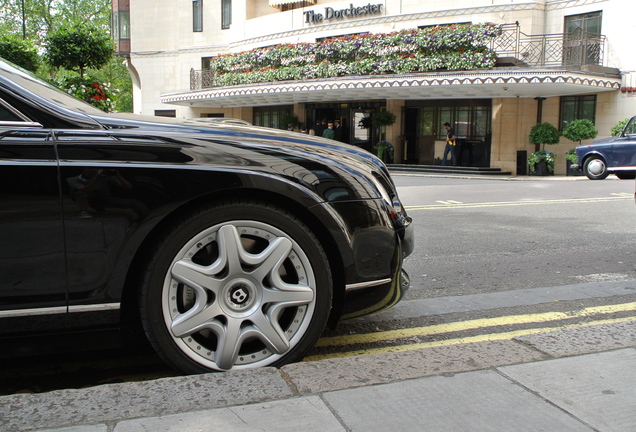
{"x": 343, "y": 341}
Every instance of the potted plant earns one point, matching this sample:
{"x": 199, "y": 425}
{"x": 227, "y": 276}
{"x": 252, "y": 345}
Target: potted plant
{"x": 572, "y": 159}
{"x": 579, "y": 130}
{"x": 541, "y": 162}
{"x": 382, "y": 119}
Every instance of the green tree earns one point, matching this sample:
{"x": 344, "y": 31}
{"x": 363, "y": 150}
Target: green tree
{"x": 78, "y": 47}
{"x": 43, "y": 16}
{"x": 579, "y": 130}
{"x": 19, "y": 51}
{"x": 544, "y": 133}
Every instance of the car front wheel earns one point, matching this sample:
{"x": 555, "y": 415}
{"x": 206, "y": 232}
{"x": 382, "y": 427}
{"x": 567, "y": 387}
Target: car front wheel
{"x": 595, "y": 168}
{"x": 237, "y": 285}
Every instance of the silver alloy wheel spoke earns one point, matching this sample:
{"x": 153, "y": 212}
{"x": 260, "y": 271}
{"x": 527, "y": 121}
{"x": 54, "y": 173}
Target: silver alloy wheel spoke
{"x": 258, "y": 276}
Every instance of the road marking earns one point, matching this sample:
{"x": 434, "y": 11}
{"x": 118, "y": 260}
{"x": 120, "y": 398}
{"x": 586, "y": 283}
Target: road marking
{"x": 473, "y": 324}
{"x": 471, "y": 339}
{"x": 470, "y": 325}
{"x": 449, "y": 204}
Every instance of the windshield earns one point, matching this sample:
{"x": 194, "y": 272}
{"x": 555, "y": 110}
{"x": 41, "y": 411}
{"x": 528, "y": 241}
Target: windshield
{"x": 43, "y": 90}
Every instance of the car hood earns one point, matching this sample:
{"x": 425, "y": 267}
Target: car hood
{"x": 315, "y": 147}
{"x": 601, "y": 141}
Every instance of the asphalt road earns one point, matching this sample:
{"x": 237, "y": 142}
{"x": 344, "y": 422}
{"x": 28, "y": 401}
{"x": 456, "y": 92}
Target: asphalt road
{"x": 478, "y": 236}
{"x": 491, "y": 257}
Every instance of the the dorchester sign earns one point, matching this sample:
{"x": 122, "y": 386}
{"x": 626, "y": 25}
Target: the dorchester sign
{"x": 351, "y": 12}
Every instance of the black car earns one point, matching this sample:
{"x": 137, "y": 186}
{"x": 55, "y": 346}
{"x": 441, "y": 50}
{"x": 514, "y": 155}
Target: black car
{"x": 232, "y": 246}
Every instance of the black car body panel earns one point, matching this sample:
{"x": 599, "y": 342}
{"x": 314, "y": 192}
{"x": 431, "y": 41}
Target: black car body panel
{"x": 53, "y": 262}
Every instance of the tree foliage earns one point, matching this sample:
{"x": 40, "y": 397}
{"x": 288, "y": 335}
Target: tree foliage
{"x": 383, "y": 118}
{"x": 19, "y": 51}
{"x": 78, "y": 47}
{"x": 617, "y": 129}
{"x": 579, "y": 130}
{"x": 544, "y": 133}
{"x": 45, "y": 17}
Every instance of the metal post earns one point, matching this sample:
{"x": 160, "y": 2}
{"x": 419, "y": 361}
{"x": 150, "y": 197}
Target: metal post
{"x": 23, "y": 22}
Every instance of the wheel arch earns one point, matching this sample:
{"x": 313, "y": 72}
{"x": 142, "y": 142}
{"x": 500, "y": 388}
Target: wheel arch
{"x": 130, "y": 318}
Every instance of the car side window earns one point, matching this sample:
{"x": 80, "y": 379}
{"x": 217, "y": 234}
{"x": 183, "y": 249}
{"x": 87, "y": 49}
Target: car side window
{"x": 11, "y": 117}
{"x": 7, "y": 115}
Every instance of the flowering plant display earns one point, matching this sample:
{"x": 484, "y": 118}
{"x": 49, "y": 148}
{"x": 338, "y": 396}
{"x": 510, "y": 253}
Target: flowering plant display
{"x": 538, "y": 156}
{"x": 571, "y": 156}
{"x": 89, "y": 90}
{"x": 454, "y": 47}
{"x": 385, "y": 151}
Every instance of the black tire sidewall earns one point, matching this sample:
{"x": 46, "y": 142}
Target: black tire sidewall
{"x": 591, "y": 176}
{"x": 191, "y": 225}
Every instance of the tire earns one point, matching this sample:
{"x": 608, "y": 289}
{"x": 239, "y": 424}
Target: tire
{"x": 595, "y": 168}
{"x": 626, "y": 175}
{"x": 241, "y": 284}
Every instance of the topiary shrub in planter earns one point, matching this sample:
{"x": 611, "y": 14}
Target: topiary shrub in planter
{"x": 579, "y": 130}
{"x": 381, "y": 120}
{"x": 572, "y": 159}
{"x": 542, "y": 162}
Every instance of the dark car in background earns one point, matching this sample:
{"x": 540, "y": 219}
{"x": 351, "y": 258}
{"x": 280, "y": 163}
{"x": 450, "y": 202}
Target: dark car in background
{"x": 613, "y": 155}
{"x": 231, "y": 246}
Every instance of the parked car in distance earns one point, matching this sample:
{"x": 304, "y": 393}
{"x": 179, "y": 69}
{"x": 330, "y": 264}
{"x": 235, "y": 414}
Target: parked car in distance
{"x": 229, "y": 246}
{"x": 613, "y": 155}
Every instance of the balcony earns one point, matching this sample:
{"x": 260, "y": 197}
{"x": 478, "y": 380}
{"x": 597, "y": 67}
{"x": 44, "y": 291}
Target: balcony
{"x": 572, "y": 52}
{"x": 576, "y": 51}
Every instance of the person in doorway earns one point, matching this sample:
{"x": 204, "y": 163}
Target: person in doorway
{"x": 320, "y": 127}
{"x": 329, "y": 132}
{"x": 337, "y": 129}
{"x": 450, "y": 145}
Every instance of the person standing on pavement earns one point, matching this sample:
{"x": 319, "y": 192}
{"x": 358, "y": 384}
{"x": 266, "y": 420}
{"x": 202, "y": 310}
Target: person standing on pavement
{"x": 450, "y": 145}
{"x": 329, "y": 132}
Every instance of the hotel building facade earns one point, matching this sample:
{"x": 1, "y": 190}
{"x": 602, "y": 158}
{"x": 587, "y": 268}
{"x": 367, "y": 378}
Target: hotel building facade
{"x": 557, "y": 61}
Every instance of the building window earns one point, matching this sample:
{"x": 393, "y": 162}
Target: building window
{"x": 226, "y": 14}
{"x": 471, "y": 119}
{"x": 272, "y": 116}
{"x": 582, "y": 40}
{"x": 166, "y": 113}
{"x": 577, "y": 108}
{"x": 284, "y": 5}
{"x": 197, "y": 15}
{"x": 120, "y": 26}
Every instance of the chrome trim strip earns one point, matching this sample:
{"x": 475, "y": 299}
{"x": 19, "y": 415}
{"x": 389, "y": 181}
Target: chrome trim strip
{"x": 58, "y": 310}
{"x": 94, "y": 308}
{"x": 361, "y": 285}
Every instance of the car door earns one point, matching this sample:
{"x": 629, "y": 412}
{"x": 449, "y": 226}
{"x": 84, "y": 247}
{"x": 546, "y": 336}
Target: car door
{"x": 32, "y": 259}
{"x": 624, "y": 148}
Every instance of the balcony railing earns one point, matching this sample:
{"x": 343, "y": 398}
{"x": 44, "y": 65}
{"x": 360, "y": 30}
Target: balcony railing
{"x": 571, "y": 51}
{"x": 551, "y": 50}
